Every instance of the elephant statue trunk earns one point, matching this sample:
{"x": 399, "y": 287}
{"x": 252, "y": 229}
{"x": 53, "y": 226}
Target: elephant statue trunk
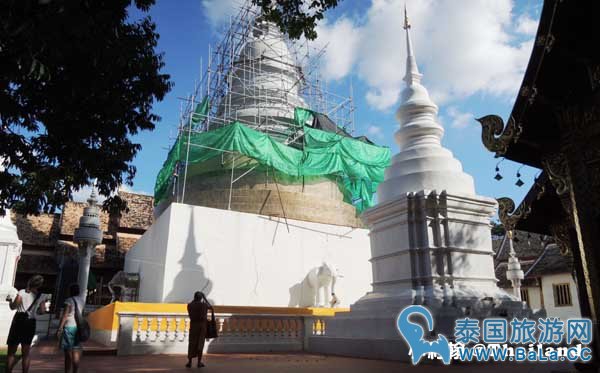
{"x": 322, "y": 280}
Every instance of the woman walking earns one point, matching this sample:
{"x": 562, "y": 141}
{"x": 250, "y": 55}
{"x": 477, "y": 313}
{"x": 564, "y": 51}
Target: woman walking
{"x": 22, "y": 329}
{"x": 197, "y": 310}
{"x": 67, "y": 330}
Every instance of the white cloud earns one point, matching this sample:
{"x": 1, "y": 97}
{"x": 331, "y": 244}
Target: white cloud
{"x": 527, "y": 25}
{"x": 462, "y": 49}
{"x": 375, "y": 131}
{"x": 83, "y": 194}
{"x": 459, "y": 119}
{"x": 341, "y": 39}
{"x": 218, "y": 11}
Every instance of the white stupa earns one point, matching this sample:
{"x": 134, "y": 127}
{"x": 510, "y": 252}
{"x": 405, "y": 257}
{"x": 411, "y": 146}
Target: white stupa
{"x": 430, "y": 240}
{"x": 10, "y": 252}
{"x": 265, "y": 82}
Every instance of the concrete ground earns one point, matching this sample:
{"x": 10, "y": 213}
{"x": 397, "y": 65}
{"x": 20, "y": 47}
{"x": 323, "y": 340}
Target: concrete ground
{"x": 271, "y": 363}
{"x": 47, "y": 358}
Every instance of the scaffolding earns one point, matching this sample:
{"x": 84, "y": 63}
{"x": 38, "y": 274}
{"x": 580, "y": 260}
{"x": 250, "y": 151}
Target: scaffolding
{"x": 257, "y": 77}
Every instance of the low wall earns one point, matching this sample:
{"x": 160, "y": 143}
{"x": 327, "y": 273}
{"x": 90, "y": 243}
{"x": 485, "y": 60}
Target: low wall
{"x": 139, "y": 328}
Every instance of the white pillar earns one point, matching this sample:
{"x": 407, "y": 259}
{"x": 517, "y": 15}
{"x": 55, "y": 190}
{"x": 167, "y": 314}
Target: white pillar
{"x": 514, "y": 273}
{"x": 10, "y": 252}
{"x": 85, "y": 260}
{"x": 87, "y": 236}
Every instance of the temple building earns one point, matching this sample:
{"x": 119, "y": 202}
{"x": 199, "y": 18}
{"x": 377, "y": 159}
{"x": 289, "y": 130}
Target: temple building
{"x": 555, "y": 126}
{"x": 258, "y": 201}
{"x": 48, "y": 248}
{"x": 262, "y": 89}
{"x": 549, "y": 282}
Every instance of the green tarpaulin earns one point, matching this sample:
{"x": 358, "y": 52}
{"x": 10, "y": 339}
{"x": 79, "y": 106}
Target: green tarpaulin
{"x": 201, "y": 110}
{"x": 358, "y": 167}
{"x": 301, "y": 116}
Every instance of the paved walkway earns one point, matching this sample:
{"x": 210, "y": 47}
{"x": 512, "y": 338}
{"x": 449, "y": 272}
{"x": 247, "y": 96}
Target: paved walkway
{"x": 289, "y": 363}
{"x": 48, "y": 359}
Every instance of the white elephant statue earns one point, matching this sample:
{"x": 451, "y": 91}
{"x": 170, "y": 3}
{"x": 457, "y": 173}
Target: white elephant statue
{"x": 123, "y": 287}
{"x": 322, "y": 281}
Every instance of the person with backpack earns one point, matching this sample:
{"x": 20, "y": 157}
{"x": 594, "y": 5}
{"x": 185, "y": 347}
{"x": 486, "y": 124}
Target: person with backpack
{"x": 68, "y": 333}
{"x": 198, "y": 312}
{"x": 22, "y": 329}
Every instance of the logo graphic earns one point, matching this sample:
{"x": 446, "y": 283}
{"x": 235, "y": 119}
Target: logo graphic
{"x": 414, "y": 334}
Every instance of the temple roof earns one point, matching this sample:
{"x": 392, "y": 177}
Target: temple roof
{"x": 535, "y": 261}
{"x": 563, "y": 70}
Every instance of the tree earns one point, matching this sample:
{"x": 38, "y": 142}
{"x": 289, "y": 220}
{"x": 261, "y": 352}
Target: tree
{"x": 294, "y": 17}
{"x": 498, "y": 229}
{"x": 77, "y": 80}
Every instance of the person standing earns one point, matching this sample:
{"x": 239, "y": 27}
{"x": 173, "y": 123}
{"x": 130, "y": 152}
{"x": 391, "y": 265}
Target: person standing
{"x": 67, "y": 329}
{"x": 22, "y": 329}
{"x": 197, "y": 311}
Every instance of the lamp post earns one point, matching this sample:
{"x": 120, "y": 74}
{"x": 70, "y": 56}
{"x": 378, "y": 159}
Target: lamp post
{"x": 87, "y": 236}
{"x": 514, "y": 273}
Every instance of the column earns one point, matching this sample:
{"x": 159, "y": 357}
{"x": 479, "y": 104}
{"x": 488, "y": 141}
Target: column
{"x": 87, "y": 236}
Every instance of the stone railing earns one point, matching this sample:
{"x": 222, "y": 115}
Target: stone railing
{"x": 168, "y": 333}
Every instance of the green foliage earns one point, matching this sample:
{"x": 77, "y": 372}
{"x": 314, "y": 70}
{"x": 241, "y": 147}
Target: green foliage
{"x": 296, "y": 17}
{"x": 497, "y": 229}
{"x": 77, "y": 80}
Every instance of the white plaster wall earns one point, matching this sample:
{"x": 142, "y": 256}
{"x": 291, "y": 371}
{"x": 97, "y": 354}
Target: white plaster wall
{"x": 535, "y": 298}
{"x": 564, "y": 312}
{"x": 147, "y": 257}
{"x": 244, "y": 259}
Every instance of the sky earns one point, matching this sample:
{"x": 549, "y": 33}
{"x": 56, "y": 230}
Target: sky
{"x": 472, "y": 53}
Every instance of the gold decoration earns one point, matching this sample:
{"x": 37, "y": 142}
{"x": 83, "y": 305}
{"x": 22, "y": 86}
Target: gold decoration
{"x": 495, "y": 136}
{"x": 558, "y": 172}
{"x": 509, "y": 216}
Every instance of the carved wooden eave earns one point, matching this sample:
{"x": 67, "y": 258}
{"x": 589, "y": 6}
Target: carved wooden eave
{"x": 495, "y": 136}
{"x": 518, "y": 139}
{"x": 509, "y": 215}
{"x": 558, "y": 173}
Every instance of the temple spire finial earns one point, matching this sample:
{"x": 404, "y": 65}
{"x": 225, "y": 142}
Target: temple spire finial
{"x": 406, "y": 23}
{"x": 412, "y": 70}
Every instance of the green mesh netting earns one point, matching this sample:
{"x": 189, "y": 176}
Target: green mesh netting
{"x": 357, "y": 167}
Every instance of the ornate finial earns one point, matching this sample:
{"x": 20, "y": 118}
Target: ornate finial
{"x": 412, "y": 70}
{"x": 93, "y": 199}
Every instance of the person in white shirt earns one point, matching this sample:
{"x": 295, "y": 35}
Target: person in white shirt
{"x": 22, "y": 329}
{"x": 67, "y": 330}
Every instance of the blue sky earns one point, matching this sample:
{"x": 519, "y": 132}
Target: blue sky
{"x": 472, "y": 54}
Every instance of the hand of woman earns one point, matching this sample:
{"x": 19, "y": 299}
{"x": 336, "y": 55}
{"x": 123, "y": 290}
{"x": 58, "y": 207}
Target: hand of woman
{"x": 59, "y": 332}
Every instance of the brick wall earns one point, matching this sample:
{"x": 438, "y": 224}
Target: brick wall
{"x": 41, "y": 230}
{"x": 140, "y": 214}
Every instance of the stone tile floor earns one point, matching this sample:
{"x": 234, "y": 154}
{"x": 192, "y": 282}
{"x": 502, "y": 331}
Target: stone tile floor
{"x": 290, "y": 363}
{"x": 47, "y": 358}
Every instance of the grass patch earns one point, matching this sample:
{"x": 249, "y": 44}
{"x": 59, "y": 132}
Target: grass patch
{"x": 3, "y": 353}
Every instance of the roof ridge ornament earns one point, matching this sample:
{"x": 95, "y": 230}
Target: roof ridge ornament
{"x": 497, "y": 137}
